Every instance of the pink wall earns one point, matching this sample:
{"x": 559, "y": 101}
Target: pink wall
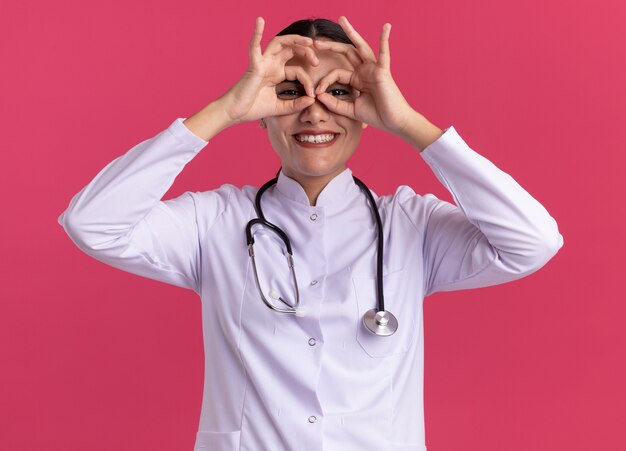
{"x": 94, "y": 358}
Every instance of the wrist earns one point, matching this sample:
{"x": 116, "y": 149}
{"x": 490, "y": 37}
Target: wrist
{"x": 209, "y": 121}
{"x": 419, "y": 132}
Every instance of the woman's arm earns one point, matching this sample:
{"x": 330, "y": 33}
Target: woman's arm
{"x": 119, "y": 217}
{"x": 209, "y": 121}
{"x": 420, "y": 132}
{"x": 497, "y": 232}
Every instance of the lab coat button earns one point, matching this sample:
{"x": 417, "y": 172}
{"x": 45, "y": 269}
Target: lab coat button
{"x": 312, "y": 419}
{"x": 312, "y": 341}
{"x": 313, "y": 217}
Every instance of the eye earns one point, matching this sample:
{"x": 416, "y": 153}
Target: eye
{"x": 343, "y": 92}
{"x": 339, "y": 92}
{"x": 289, "y": 93}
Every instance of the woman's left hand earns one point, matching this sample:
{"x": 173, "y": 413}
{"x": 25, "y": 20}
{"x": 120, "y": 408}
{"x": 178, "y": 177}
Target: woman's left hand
{"x": 380, "y": 103}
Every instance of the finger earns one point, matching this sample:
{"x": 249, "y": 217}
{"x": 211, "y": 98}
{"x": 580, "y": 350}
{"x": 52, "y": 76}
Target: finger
{"x": 289, "y": 52}
{"x": 342, "y": 76}
{"x": 362, "y": 46}
{"x": 337, "y": 106}
{"x": 384, "y": 58}
{"x": 306, "y": 52}
{"x": 255, "y": 42}
{"x": 279, "y": 42}
{"x": 298, "y": 73}
{"x": 345, "y": 49}
{"x": 294, "y": 105}
{"x": 285, "y": 55}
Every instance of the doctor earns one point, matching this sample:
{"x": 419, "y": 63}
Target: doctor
{"x": 320, "y": 379}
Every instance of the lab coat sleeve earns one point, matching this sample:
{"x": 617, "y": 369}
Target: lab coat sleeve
{"x": 496, "y": 232}
{"x": 120, "y": 219}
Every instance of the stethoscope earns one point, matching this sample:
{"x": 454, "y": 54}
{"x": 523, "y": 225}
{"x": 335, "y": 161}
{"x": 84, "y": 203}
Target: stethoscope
{"x": 378, "y": 321}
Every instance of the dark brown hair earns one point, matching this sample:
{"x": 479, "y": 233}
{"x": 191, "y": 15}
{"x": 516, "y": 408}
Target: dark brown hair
{"x": 318, "y": 28}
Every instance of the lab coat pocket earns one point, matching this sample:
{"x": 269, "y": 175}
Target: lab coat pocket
{"x": 399, "y": 302}
{"x": 217, "y": 441}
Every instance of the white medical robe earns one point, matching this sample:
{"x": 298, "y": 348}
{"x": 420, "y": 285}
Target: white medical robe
{"x": 277, "y": 382}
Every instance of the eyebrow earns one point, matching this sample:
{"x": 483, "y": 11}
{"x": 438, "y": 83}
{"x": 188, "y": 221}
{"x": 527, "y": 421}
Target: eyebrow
{"x": 295, "y": 82}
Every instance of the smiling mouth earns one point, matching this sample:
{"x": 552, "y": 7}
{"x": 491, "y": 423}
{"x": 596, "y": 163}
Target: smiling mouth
{"x": 317, "y": 140}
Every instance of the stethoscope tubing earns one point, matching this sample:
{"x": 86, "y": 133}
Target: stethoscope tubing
{"x": 379, "y": 253}
{"x": 378, "y": 321}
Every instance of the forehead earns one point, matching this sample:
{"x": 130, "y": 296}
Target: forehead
{"x": 329, "y": 60}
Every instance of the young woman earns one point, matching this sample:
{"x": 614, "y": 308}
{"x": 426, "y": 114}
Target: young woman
{"x": 311, "y": 286}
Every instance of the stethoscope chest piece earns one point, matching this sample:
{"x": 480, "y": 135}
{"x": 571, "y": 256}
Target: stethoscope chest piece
{"x": 381, "y": 323}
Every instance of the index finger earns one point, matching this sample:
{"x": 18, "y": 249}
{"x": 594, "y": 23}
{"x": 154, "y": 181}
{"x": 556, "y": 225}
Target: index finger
{"x": 279, "y": 42}
{"x": 341, "y": 76}
{"x": 255, "y": 42}
{"x": 298, "y": 73}
{"x": 364, "y": 49}
{"x": 345, "y": 49}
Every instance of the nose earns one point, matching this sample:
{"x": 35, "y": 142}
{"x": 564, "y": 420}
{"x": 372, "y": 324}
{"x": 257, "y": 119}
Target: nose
{"x": 315, "y": 113}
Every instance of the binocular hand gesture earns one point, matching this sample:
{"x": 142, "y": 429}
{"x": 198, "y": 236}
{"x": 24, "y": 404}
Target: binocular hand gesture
{"x": 376, "y": 99}
{"x": 254, "y": 95}
{"x": 380, "y": 103}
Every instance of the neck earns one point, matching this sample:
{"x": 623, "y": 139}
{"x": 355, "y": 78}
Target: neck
{"x": 313, "y": 188}
{"x": 312, "y": 185}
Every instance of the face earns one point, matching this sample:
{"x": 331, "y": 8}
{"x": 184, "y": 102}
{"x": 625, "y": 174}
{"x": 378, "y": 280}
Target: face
{"x": 296, "y": 137}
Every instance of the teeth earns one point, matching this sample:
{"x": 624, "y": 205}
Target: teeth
{"x": 315, "y": 138}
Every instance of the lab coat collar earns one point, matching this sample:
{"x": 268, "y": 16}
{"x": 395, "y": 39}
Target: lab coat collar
{"x": 340, "y": 190}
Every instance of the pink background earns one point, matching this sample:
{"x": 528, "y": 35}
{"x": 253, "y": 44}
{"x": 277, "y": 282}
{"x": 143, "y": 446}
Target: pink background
{"x": 93, "y": 358}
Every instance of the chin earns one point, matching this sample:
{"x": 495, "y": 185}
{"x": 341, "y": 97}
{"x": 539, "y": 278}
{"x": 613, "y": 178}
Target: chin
{"x": 316, "y": 171}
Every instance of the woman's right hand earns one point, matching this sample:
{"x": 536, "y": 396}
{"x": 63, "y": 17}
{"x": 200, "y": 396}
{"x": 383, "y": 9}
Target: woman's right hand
{"x": 254, "y": 95}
